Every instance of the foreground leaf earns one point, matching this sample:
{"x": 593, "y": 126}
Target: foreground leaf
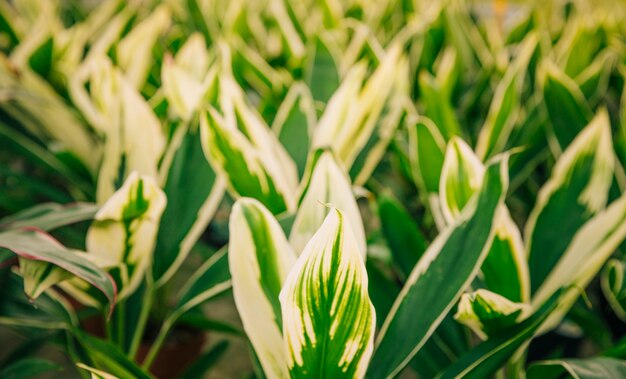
{"x": 259, "y": 259}
{"x": 438, "y": 279}
{"x": 576, "y": 191}
{"x": 328, "y": 318}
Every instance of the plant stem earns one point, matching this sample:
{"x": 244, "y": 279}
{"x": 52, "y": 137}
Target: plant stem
{"x": 148, "y": 299}
{"x": 156, "y": 346}
{"x": 121, "y": 323}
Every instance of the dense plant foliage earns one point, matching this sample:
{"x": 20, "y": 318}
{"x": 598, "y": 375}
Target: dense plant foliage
{"x": 385, "y": 188}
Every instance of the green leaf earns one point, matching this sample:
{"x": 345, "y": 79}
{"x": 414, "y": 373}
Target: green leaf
{"x": 29, "y": 368}
{"x": 107, "y": 357}
{"x": 95, "y": 373}
{"x": 576, "y": 191}
{"x": 294, "y": 123}
{"x": 328, "y": 318}
{"x": 567, "y": 108}
{"x": 259, "y": 259}
{"x": 322, "y": 72}
{"x": 437, "y": 281}
{"x": 488, "y": 357}
{"x": 437, "y": 107}
{"x": 329, "y": 184}
{"x": 590, "y": 368}
{"x": 505, "y": 106}
{"x": 426, "y": 152}
{"x": 49, "y": 216}
{"x": 193, "y": 192}
{"x": 39, "y": 246}
{"x": 405, "y": 240}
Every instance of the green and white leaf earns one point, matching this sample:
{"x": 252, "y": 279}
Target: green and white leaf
{"x": 328, "y": 318}
{"x": 329, "y": 184}
{"x": 125, "y": 228}
{"x": 576, "y": 191}
{"x": 134, "y": 51}
{"x": 614, "y": 286}
{"x": 590, "y": 248}
{"x": 505, "y": 270}
{"x": 488, "y": 313}
{"x": 95, "y": 373}
{"x": 567, "y": 108}
{"x": 49, "y": 216}
{"x": 437, "y": 281}
{"x": 259, "y": 259}
{"x": 354, "y": 110}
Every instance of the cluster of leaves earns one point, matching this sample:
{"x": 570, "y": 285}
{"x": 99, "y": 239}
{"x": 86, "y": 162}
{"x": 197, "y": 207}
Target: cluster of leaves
{"x": 423, "y": 186}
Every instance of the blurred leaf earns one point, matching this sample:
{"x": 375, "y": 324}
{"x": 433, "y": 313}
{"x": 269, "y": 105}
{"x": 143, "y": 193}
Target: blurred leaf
{"x": 49, "y": 216}
{"x": 28, "y": 368}
{"x": 205, "y": 362}
{"x": 590, "y": 368}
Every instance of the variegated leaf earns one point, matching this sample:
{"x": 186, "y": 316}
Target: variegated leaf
{"x": 328, "y": 318}
{"x": 134, "y": 51}
{"x": 591, "y": 246}
{"x": 186, "y": 78}
{"x": 328, "y": 185}
{"x": 259, "y": 259}
{"x": 488, "y": 313}
{"x": 354, "y": 110}
{"x": 249, "y": 172}
{"x": 39, "y": 276}
{"x": 95, "y": 373}
{"x": 576, "y": 191}
{"x": 461, "y": 176}
{"x": 567, "y": 108}
{"x": 437, "y": 281}
{"x": 124, "y": 230}
{"x": 505, "y": 269}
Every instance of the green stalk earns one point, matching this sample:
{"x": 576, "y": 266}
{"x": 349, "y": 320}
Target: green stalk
{"x": 158, "y": 343}
{"x": 148, "y": 299}
{"x": 120, "y": 313}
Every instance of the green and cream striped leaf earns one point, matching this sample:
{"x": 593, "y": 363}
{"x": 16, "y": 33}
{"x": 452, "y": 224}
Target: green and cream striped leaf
{"x": 259, "y": 259}
{"x": 186, "y": 79}
{"x": 505, "y": 270}
{"x": 488, "y": 313}
{"x": 590, "y": 248}
{"x": 39, "y": 276}
{"x": 567, "y": 108}
{"x": 49, "y": 216}
{"x": 576, "y": 191}
{"x": 355, "y": 109}
{"x": 461, "y": 176}
{"x": 614, "y": 286}
{"x": 328, "y": 318}
{"x": 248, "y": 171}
{"x": 329, "y": 184}
{"x": 134, "y": 51}
{"x": 125, "y": 228}
{"x": 437, "y": 281}
{"x": 194, "y": 191}
{"x": 505, "y": 106}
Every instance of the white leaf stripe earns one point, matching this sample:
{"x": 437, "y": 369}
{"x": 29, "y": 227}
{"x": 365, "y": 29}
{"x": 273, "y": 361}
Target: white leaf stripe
{"x": 328, "y": 319}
